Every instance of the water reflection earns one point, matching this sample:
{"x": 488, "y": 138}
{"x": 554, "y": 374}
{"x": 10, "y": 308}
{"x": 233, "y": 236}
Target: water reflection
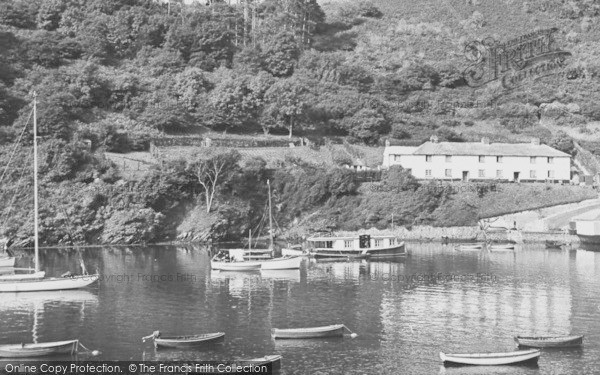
{"x": 405, "y": 311}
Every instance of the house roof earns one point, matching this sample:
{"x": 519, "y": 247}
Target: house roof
{"x": 491, "y": 149}
{"x": 400, "y": 150}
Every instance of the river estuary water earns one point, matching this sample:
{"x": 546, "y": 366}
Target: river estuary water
{"x": 404, "y": 312}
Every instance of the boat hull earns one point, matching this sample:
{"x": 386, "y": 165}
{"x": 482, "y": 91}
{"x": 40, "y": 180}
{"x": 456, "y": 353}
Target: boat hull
{"x": 47, "y": 284}
{"x": 549, "y": 341}
{"x": 39, "y": 350}
{"x": 336, "y": 330}
{"x": 293, "y": 252}
{"x": 235, "y": 266}
{"x": 399, "y": 251}
{"x": 283, "y": 263}
{"x": 588, "y": 239}
{"x": 521, "y": 357}
{"x": 183, "y": 342}
{"x": 7, "y": 261}
{"x": 370, "y": 253}
{"x": 273, "y": 362}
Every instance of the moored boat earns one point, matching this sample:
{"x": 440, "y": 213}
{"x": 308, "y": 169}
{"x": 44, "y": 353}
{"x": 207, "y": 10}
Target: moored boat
{"x": 335, "y": 330}
{"x": 519, "y": 357}
{"x": 588, "y": 231}
{"x": 190, "y": 341}
{"x": 502, "y": 247}
{"x": 293, "y": 250}
{"x": 7, "y": 261}
{"x": 282, "y": 263}
{"x": 356, "y": 247}
{"x": 554, "y": 244}
{"x": 246, "y": 366}
{"x": 469, "y": 246}
{"x": 235, "y": 266}
{"x": 549, "y": 341}
{"x": 39, "y": 349}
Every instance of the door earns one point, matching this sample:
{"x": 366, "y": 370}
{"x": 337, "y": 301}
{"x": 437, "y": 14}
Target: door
{"x": 465, "y": 176}
{"x": 516, "y": 177}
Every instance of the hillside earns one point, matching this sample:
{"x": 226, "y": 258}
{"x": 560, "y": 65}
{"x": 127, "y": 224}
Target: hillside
{"x": 121, "y": 73}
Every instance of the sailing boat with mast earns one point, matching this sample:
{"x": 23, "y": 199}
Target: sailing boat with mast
{"x": 243, "y": 260}
{"x": 38, "y": 281}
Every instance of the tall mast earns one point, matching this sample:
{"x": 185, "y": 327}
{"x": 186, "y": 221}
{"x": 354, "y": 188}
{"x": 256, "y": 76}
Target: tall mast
{"x": 270, "y": 218}
{"x": 35, "y": 186}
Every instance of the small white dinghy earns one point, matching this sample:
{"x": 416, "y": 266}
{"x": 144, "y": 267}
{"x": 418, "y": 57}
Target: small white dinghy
{"x": 519, "y": 357}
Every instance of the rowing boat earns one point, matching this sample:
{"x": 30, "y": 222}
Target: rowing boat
{"x": 549, "y": 341}
{"x": 185, "y": 341}
{"x": 271, "y": 362}
{"x": 235, "y": 266}
{"x": 554, "y": 244}
{"x": 282, "y": 263}
{"x": 39, "y": 350}
{"x": 7, "y": 261}
{"x": 469, "y": 247}
{"x": 336, "y": 330}
{"x": 502, "y": 247}
{"x": 519, "y": 357}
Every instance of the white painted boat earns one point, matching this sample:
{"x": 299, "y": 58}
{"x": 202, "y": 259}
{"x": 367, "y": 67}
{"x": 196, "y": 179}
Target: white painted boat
{"x": 356, "y": 247}
{"x": 42, "y": 349}
{"x": 469, "y": 247}
{"x": 40, "y": 284}
{"x": 7, "y": 261}
{"x": 23, "y": 276}
{"x": 293, "y": 252}
{"x": 283, "y": 263}
{"x": 492, "y": 359}
{"x": 502, "y": 247}
{"x": 335, "y": 330}
{"x": 235, "y": 266}
{"x": 47, "y": 284}
{"x": 549, "y": 341}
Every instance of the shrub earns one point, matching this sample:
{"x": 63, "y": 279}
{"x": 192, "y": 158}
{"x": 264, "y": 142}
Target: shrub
{"x": 400, "y": 179}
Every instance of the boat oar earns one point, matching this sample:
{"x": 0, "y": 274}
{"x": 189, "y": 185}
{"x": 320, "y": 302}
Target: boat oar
{"x": 87, "y": 351}
{"x": 352, "y": 334}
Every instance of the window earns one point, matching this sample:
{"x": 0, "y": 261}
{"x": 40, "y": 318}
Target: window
{"x": 448, "y": 172}
{"x": 428, "y": 158}
{"x": 481, "y": 173}
{"x": 392, "y": 241}
{"x": 532, "y": 174}
{"x": 348, "y": 244}
{"x": 498, "y": 159}
{"x": 481, "y": 159}
{"x": 550, "y": 160}
{"x": 378, "y": 243}
{"x": 532, "y": 159}
{"x": 428, "y": 172}
{"x": 448, "y": 158}
{"x": 396, "y": 157}
{"x": 499, "y": 173}
{"x": 550, "y": 174}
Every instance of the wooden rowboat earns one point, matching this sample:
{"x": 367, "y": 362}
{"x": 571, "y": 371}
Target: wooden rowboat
{"x": 469, "y": 247}
{"x": 39, "y": 350}
{"x": 235, "y": 266}
{"x": 7, "y": 261}
{"x": 336, "y": 330}
{"x": 185, "y": 341}
{"x": 272, "y": 362}
{"x": 554, "y": 244}
{"x": 549, "y": 341}
{"x": 520, "y": 357}
{"x": 502, "y": 247}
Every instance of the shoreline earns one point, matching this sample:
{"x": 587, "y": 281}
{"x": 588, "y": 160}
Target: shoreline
{"x": 425, "y": 234}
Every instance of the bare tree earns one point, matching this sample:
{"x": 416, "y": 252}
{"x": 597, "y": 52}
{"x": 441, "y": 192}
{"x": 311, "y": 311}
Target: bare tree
{"x": 212, "y": 169}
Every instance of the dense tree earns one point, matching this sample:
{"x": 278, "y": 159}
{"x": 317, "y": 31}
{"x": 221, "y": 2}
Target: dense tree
{"x": 286, "y": 100}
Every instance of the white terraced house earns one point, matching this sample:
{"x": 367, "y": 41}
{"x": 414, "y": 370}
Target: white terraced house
{"x": 483, "y": 160}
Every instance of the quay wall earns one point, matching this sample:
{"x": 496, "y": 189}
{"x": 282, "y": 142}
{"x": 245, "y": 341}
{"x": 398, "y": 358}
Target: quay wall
{"x": 435, "y": 234}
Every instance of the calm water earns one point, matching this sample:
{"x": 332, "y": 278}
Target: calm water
{"x": 458, "y": 302}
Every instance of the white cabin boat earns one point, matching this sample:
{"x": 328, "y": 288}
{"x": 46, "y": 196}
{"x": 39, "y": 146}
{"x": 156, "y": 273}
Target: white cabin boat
{"x": 588, "y": 231}
{"x": 359, "y": 246}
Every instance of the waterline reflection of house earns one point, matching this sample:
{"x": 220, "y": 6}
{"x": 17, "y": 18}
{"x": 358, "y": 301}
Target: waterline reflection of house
{"x": 481, "y": 161}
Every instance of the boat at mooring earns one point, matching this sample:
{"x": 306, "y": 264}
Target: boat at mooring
{"x": 356, "y": 247}
{"x": 7, "y": 261}
{"x": 42, "y": 349}
{"x": 182, "y": 342}
{"x": 549, "y": 341}
{"x": 519, "y": 357}
{"x": 36, "y": 284}
{"x": 335, "y": 330}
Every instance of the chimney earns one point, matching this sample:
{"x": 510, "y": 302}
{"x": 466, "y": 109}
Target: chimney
{"x": 387, "y": 143}
{"x": 434, "y": 139}
{"x": 535, "y": 141}
{"x": 485, "y": 140}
